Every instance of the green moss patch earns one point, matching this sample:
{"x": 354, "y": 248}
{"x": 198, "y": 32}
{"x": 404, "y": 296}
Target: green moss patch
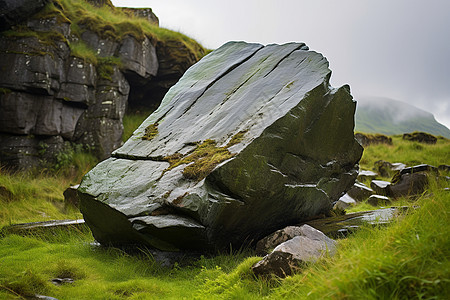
{"x": 204, "y": 158}
{"x": 150, "y": 132}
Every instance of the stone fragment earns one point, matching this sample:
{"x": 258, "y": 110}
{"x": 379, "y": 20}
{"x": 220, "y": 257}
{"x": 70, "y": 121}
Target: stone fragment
{"x": 71, "y": 196}
{"x": 36, "y": 227}
{"x": 387, "y": 169}
{"x": 295, "y": 253}
{"x": 378, "y": 200}
{"x": 445, "y": 168}
{"x": 145, "y": 13}
{"x": 421, "y": 137}
{"x": 366, "y": 175}
{"x": 344, "y": 202}
{"x": 268, "y": 243}
{"x": 380, "y": 187}
{"x": 250, "y": 140}
{"x": 61, "y": 281}
{"x": 372, "y": 139}
{"x": 15, "y": 11}
{"x": 138, "y": 58}
{"x": 420, "y": 168}
{"x": 409, "y": 184}
{"x": 341, "y": 226}
{"x": 360, "y": 191}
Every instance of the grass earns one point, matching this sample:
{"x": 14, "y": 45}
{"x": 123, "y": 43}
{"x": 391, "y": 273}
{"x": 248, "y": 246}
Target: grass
{"x": 109, "y": 23}
{"x": 409, "y": 259}
{"x": 38, "y": 195}
{"x": 407, "y": 152}
{"x": 131, "y": 122}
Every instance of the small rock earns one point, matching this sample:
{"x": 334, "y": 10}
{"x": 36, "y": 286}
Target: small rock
{"x": 377, "y": 200}
{"x": 43, "y": 297}
{"x": 267, "y": 244}
{"x": 365, "y": 174}
{"x": 61, "y": 281}
{"x": 372, "y": 139}
{"x": 360, "y": 191}
{"x": 293, "y": 253}
{"x": 31, "y": 228}
{"x": 344, "y": 202}
{"x": 384, "y": 168}
{"x": 421, "y": 137}
{"x": 445, "y": 168}
{"x": 339, "y": 226}
{"x": 5, "y": 194}
{"x": 420, "y": 168}
{"x": 398, "y": 166}
{"x": 380, "y": 187}
{"x": 71, "y": 196}
{"x": 409, "y": 184}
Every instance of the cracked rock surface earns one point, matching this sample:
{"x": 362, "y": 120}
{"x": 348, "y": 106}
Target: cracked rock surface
{"x": 251, "y": 139}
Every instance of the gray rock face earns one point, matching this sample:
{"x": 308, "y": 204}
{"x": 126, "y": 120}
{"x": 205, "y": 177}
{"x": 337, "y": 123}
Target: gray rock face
{"x": 294, "y": 253}
{"x": 15, "y": 11}
{"x": 46, "y": 91}
{"x": 360, "y": 191}
{"x": 366, "y": 174}
{"x": 270, "y": 242}
{"x": 251, "y": 139}
{"x": 380, "y": 187}
{"x": 345, "y": 202}
{"x": 377, "y": 200}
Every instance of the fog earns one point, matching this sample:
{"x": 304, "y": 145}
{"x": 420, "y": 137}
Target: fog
{"x": 396, "y": 49}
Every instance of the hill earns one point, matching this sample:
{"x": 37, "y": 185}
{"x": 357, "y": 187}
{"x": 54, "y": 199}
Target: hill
{"x": 388, "y": 116}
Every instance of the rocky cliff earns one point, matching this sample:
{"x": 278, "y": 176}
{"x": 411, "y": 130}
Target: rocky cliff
{"x": 70, "y": 69}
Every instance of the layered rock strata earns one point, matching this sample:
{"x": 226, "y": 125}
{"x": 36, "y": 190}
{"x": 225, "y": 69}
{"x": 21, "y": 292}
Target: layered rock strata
{"x": 50, "y": 96}
{"x": 251, "y": 139}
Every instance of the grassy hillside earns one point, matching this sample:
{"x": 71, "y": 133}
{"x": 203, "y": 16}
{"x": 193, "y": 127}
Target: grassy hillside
{"x": 387, "y": 116}
{"x": 409, "y": 259}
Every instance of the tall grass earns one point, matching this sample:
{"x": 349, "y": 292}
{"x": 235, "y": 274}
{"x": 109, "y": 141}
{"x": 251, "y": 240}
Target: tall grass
{"x": 115, "y": 24}
{"x": 131, "y": 122}
{"x": 407, "y": 152}
{"x": 406, "y": 260}
{"x": 409, "y": 259}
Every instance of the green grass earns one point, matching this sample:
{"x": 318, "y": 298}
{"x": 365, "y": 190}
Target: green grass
{"x": 116, "y": 24}
{"x": 407, "y": 152}
{"x": 131, "y": 121}
{"x": 409, "y": 259}
{"x": 32, "y": 198}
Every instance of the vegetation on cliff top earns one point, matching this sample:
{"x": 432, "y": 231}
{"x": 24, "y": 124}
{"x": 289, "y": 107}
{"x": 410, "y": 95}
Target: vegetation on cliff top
{"x": 108, "y": 22}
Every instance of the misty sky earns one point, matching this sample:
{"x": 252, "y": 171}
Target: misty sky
{"x": 398, "y": 49}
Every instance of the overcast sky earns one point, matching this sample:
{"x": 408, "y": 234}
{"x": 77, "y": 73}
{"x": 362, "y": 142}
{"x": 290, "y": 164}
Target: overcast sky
{"x": 398, "y": 49}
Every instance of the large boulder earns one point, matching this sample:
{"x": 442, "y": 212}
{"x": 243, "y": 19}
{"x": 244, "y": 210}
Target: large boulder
{"x": 250, "y": 140}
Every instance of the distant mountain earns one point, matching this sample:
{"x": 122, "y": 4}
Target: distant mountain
{"x": 387, "y": 116}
